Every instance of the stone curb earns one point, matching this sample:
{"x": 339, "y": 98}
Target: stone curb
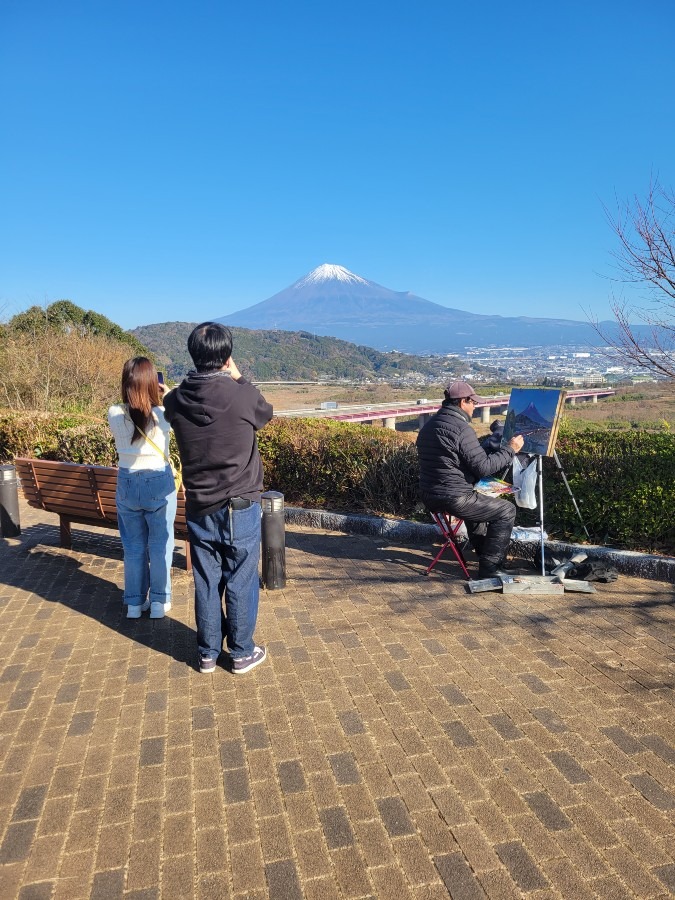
{"x": 627, "y": 562}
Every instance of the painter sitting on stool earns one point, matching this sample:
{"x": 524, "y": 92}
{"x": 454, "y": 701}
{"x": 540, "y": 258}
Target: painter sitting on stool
{"x": 451, "y": 462}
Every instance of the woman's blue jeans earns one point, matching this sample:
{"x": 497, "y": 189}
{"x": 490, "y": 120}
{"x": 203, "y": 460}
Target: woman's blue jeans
{"x": 225, "y": 549}
{"x": 146, "y": 509}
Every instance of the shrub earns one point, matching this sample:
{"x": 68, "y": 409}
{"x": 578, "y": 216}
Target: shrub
{"x": 34, "y": 435}
{"x": 624, "y": 483}
{"x": 59, "y": 372}
{"x": 340, "y": 466}
{"x": 80, "y": 439}
{"x": 87, "y": 443}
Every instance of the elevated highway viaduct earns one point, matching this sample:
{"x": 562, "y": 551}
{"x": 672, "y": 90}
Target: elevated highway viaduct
{"x": 390, "y": 412}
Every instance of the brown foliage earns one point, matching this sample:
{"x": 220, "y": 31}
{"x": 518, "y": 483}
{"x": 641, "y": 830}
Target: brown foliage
{"x": 58, "y": 371}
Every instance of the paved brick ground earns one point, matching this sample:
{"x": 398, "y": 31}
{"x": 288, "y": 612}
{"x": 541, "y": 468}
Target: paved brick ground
{"x": 405, "y": 738}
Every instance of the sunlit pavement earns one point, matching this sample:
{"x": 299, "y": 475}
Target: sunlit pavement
{"x": 403, "y": 739}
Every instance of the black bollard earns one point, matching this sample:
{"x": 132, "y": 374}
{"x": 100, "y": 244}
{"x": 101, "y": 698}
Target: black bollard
{"x": 273, "y": 541}
{"x": 9, "y": 502}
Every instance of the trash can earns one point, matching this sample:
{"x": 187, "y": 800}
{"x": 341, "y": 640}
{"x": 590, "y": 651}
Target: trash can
{"x": 273, "y": 540}
{"x": 9, "y": 502}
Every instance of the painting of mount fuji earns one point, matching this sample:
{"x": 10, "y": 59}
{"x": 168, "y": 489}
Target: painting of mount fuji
{"x": 534, "y": 413}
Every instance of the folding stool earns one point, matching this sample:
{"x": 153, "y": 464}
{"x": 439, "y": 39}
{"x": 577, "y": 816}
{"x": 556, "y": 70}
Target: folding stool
{"x": 449, "y": 535}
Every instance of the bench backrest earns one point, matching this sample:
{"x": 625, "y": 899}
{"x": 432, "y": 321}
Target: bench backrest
{"x": 76, "y": 490}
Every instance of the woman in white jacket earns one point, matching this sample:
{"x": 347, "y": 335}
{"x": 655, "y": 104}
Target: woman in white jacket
{"x": 146, "y": 493}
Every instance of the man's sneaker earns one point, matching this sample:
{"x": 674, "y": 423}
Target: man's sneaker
{"x": 246, "y": 663}
{"x": 134, "y": 611}
{"x": 207, "y": 664}
{"x": 156, "y": 610}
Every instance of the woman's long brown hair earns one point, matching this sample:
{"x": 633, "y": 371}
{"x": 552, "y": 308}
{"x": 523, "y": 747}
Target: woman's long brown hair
{"x": 140, "y": 391}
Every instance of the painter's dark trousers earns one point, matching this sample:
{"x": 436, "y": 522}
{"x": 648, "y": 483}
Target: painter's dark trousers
{"x": 489, "y": 520}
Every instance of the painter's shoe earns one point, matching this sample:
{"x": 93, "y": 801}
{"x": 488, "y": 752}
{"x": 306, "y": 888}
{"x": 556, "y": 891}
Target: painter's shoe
{"x": 488, "y": 569}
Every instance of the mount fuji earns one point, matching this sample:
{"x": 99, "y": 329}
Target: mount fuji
{"x": 531, "y": 416}
{"x": 332, "y": 301}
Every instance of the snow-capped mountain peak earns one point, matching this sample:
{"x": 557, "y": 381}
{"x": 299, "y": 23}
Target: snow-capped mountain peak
{"x": 328, "y": 272}
{"x": 332, "y": 300}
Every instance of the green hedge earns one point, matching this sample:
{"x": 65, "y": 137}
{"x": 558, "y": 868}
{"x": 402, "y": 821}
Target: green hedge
{"x": 73, "y": 438}
{"x": 623, "y": 482}
{"x": 340, "y": 466}
{"x": 41, "y": 435}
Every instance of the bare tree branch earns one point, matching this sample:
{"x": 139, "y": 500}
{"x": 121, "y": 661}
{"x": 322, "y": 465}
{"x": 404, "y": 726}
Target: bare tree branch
{"x": 645, "y": 256}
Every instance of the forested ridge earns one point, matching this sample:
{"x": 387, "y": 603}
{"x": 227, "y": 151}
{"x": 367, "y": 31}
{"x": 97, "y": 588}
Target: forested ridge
{"x": 291, "y": 355}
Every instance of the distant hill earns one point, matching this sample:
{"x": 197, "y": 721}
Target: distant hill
{"x": 331, "y": 300}
{"x": 292, "y": 356}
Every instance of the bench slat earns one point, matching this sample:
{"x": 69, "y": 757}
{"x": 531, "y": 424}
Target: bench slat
{"x": 67, "y": 476}
{"x": 59, "y": 492}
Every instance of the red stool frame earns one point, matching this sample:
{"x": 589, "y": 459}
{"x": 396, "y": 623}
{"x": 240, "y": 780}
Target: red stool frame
{"x": 449, "y": 535}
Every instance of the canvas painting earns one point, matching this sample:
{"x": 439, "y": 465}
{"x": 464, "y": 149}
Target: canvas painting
{"x": 534, "y": 413}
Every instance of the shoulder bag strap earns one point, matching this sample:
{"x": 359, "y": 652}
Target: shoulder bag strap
{"x": 153, "y": 444}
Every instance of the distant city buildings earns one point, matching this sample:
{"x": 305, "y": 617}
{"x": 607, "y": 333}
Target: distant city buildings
{"x": 552, "y": 365}
{"x": 560, "y": 366}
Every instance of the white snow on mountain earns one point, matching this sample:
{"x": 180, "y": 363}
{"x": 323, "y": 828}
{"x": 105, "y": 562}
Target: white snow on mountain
{"x": 328, "y": 272}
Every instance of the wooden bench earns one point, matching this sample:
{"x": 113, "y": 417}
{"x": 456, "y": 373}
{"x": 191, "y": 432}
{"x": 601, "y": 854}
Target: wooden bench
{"x": 83, "y": 494}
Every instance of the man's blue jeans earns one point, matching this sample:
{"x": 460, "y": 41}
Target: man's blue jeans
{"x": 225, "y": 548}
{"x": 146, "y": 509}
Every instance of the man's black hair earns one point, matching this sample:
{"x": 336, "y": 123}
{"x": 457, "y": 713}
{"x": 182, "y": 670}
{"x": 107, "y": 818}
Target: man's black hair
{"x": 210, "y": 346}
{"x": 454, "y": 401}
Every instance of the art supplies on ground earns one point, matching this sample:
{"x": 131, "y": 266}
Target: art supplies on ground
{"x": 527, "y": 535}
{"x": 529, "y": 584}
{"x": 567, "y": 566}
{"x": 532, "y": 584}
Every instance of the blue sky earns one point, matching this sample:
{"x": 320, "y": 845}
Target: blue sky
{"x": 174, "y": 161}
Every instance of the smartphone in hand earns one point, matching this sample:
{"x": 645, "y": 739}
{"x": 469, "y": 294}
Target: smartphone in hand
{"x": 160, "y": 378}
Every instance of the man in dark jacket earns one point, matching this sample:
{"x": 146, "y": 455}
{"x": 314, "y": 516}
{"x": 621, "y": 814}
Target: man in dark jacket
{"x": 215, "y": 414}
{"x": 451, "y": 462}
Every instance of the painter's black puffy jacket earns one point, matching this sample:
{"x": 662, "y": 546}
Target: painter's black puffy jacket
{"x": 451, "y": 458}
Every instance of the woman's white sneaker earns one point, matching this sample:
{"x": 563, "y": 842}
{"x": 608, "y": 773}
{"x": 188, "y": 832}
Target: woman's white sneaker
{"x": 134, "y": 611}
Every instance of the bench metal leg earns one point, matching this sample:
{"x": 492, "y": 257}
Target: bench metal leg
{"x": 66, "y": 536}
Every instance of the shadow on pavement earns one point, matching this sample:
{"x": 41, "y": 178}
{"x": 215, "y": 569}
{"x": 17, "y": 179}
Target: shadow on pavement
{"x": 57, "y": 577}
